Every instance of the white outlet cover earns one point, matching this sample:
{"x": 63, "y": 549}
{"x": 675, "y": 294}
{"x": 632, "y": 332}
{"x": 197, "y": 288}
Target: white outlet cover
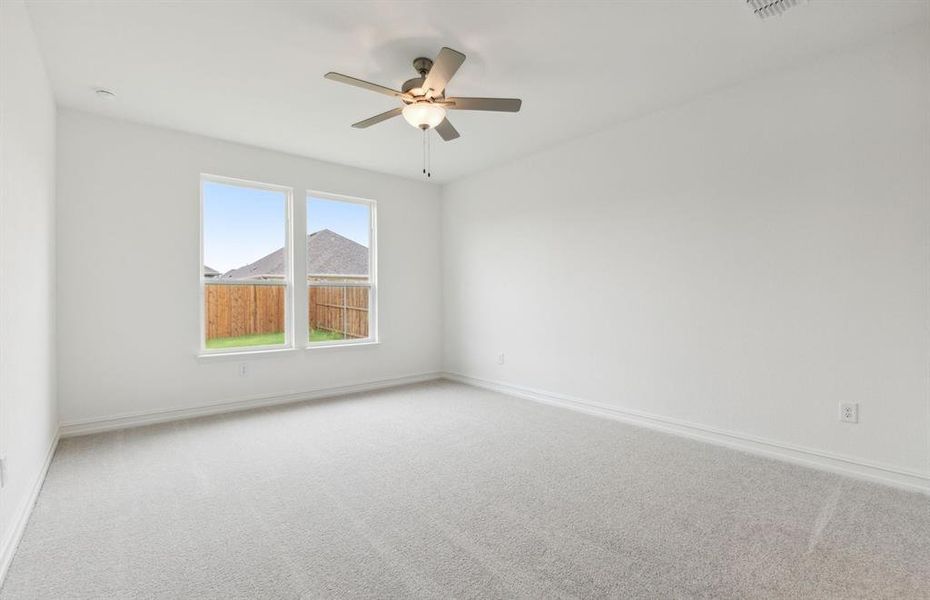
{"x": 849, "y": 412}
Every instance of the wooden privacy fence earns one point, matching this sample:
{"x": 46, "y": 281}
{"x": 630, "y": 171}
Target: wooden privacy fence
{"x": 340, "y": 309}
{"x": 235, "y": 309}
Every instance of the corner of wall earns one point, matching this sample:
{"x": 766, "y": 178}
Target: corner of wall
{"x": 28, "y": 396}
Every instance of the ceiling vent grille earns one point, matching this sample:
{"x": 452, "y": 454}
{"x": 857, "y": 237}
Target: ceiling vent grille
{"x": 769, "y": 8}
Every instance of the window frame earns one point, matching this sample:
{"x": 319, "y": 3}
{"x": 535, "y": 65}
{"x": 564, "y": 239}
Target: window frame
{"x": 289, "y": 273}
{"x": 372, "y": 284}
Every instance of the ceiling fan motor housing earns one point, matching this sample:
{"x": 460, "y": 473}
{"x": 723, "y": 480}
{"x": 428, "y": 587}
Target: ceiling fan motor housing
{"x": 415, "y": 86}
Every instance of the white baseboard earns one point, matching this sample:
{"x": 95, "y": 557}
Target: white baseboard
{"x": 844, "y": 465}
{"x": 10, "y": 542}
{"x": 137, "y": 419}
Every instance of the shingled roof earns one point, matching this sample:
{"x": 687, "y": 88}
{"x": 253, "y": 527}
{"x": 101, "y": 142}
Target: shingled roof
{"x": 328, "y": 253}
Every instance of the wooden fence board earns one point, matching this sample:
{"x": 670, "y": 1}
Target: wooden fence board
{"x": 339, "y": 309}
{"x": 234, "y": 310}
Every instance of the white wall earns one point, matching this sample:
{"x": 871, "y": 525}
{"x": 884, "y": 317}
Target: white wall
{"x": 743, "y": 262}
{"x": 128, "y": 251}
{"x": 28, "y": 415}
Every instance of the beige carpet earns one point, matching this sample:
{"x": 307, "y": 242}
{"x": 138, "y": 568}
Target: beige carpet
{"x": 444, "y": 491}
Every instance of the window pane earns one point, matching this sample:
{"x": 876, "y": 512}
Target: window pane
{"x": 242, "y": 314}
{"x": 338, "y": 312}
{"x": 337, "y": 240}
{"x": 338, "y": 252}
{"x": 245, "y": 265}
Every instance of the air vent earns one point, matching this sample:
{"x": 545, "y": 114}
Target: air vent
{"x": 770, "y": 8}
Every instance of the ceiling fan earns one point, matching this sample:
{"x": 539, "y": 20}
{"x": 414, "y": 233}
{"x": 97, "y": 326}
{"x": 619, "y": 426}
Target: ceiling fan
{"x": 424, "y": 97}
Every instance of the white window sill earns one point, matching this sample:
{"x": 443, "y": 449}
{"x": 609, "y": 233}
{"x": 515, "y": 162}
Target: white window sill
{"x": 268, "y": 352}
{"x": 240, "y": 354}
{"x": 330, "y": 345}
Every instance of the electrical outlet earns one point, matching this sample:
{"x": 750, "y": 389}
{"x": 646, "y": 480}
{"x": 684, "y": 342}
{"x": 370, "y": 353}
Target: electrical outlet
{"x": 849, "y": 412}
{"x": 243, "y": 369}
{"x": 500, "y": 358}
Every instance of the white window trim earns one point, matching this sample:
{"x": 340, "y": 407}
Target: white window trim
{"x": 373, "y": 333}
{"x": 289, "y": 252}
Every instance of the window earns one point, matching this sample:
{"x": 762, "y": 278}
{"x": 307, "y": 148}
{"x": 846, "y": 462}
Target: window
{"x": 246, "y": 265}
{"x": 340, "y": 270}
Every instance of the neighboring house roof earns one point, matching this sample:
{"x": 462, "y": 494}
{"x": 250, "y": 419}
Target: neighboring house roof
{"x": 208, "y": 272}
{"x": 328, "y": 253}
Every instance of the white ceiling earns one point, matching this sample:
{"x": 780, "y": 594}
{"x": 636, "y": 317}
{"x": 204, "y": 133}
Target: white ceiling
{"x": 252, "y": 72}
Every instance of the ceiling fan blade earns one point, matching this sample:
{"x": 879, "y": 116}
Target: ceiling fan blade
{"x": 366, "y": 85}
{"x": 446, "y": 131}
{"x": 378, "y": 118}
{"x": 495, "y": 104}
{"x": 444, "y": 67}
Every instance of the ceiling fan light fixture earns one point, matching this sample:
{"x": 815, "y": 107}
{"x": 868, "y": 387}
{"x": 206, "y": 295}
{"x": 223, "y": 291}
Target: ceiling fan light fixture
{"x": 424, "y": 115}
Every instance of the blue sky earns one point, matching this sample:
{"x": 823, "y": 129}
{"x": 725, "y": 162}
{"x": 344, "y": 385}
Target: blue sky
{"x": 345, "y": 218}
{"x": 242, "y": 224}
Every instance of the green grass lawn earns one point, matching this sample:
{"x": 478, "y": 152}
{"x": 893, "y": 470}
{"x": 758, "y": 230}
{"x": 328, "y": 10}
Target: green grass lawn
{"x": 319, "y": 335}
{"x": 268, "y": 339}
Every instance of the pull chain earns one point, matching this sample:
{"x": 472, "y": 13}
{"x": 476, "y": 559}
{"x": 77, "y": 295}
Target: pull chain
{"x": 426, "y": 153}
